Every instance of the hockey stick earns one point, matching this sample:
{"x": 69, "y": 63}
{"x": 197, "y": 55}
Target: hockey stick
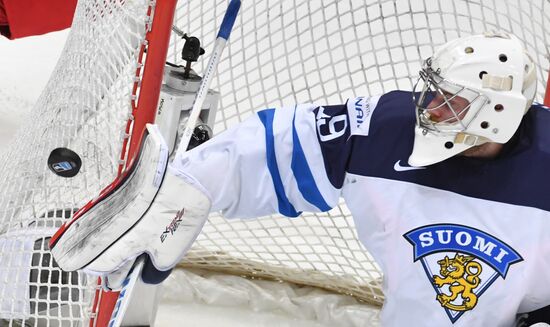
{"x": 132, "y": 279}
{"x": 125, "y": 293}
{"x": 219, "y": 45}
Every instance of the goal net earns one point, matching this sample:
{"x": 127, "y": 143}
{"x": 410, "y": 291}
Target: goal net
{"x": 280, "y": 53}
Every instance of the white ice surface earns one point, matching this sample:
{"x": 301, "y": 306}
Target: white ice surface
{"x": 25, "y": 67}
{"x": 202, "y": 298}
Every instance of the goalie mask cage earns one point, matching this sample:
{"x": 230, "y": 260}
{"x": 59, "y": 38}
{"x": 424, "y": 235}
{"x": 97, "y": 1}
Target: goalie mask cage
{"x": 280, "y": 53}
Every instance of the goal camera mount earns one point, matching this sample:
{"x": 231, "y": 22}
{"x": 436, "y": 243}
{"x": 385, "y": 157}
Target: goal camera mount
{"x": 190, "y": 52}
{"x": 181, "y": 84}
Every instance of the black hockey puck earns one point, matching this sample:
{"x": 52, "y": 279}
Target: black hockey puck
{"x": 64, "y": 162}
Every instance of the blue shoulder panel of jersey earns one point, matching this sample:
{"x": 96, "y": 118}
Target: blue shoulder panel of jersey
{"x": 519, "y": 176}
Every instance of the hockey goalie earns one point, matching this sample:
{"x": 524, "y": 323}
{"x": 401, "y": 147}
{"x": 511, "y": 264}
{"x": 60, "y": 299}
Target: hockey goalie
{"x": 440, "y": 183}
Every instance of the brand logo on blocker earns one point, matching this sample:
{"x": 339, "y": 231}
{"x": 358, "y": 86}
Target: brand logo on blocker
{"x": 399, "y": 167}
{"x": 171, "y": 229}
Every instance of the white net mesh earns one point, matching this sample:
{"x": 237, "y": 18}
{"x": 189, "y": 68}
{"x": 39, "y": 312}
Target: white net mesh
{"x": 287, "y": 52}
{"x": 84, "y": 107}
{"x": 280, "y": 53}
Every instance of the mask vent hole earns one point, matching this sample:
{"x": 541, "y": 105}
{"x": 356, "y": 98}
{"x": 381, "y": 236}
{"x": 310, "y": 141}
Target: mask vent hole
{"x": 449, "y": 145}
{"x": 469, "y": 50}
{"x": 484, "y": 124}
{"x": 502, "y": 58}
{"x": 499, "y": 107}
{"x": 481, "y": 73}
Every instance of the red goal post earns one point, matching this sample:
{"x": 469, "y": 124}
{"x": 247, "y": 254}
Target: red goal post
{"x": 144, "y": 101}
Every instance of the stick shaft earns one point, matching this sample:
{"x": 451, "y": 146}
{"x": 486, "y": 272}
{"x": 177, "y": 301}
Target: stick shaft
{"x": 221, "y": 40}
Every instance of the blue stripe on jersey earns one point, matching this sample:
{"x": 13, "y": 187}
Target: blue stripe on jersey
{"x": 302, "y": 173}
{"x": 285, "y": 207}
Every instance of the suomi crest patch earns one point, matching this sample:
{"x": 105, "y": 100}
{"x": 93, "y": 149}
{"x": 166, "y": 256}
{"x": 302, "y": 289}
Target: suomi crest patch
{"x": 461, "y": 263}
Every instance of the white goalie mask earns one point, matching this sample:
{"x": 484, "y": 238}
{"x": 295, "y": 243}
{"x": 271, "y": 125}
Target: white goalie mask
{"x": 473, "y": 90}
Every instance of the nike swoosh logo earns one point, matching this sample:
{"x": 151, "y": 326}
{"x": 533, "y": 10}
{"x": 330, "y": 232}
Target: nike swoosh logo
{"x": 398, "y": 167}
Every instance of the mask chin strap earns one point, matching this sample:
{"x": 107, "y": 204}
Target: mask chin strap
{"x": 469, "y": 139}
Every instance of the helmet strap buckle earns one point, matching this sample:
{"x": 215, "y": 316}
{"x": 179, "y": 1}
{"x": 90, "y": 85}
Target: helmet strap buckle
{"x": 496, "y": 82}
{"x": 469, "y": 139}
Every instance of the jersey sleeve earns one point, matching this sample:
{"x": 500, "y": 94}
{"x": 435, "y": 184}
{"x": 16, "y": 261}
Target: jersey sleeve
{"x": 21, "y": 18}
{"x": 284, "y": 161}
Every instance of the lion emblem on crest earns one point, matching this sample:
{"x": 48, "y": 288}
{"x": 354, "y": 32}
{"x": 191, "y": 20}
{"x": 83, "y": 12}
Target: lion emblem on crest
{"x": 461, "y": 273}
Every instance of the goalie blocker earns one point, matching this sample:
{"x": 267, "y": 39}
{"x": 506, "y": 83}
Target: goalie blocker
{"x": 142, "y": 212}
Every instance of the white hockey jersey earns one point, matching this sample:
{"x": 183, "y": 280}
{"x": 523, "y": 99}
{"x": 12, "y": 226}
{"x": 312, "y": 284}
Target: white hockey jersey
{"x": 465, "y": 242}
